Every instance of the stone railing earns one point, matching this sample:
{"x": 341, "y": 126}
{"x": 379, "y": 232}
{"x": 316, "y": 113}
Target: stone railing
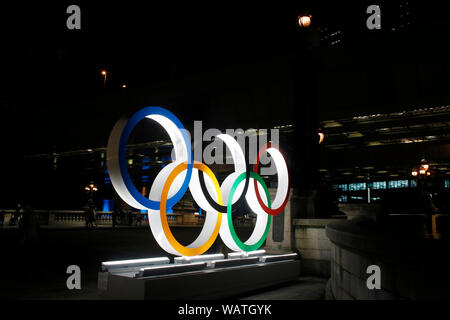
{"x": 76, "y": 218}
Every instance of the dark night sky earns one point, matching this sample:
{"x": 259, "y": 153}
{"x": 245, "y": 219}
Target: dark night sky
{"x": 52, "y": 95}
{"x": 223, "y": 62}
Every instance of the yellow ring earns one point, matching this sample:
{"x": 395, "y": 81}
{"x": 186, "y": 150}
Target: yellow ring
{"x": 185, "y": 251}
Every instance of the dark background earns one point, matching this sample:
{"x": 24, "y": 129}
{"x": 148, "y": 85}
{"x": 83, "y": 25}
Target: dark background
{"x": 224, "y": 62}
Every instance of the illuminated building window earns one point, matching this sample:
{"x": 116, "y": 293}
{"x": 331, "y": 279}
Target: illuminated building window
{"x": 447, "y": 183}
{"x": 395, "y": 184}
{"x": 357, "y": 186}
{"x": 413, "y": 183}
{"x": 356, "y": 198}
{"x": 377, "y": 185}
{"x": 340, "y": 187}
{"x": 342, "y": 199}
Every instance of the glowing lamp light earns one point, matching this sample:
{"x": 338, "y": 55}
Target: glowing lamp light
{"x": 321, "y": 137}
{"x": 423, "y": 170}
{"x": 121, "y": 264}
{"x": 91, "y": 187}
{"x": 304, "y": 21}
{"x": 104, "y": 78}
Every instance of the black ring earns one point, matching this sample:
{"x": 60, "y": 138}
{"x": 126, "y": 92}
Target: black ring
{"x": 217, "y": 206}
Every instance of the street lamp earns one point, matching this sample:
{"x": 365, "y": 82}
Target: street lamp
{"x": 424, "y": 170}
{"x": 90, "y": 189}
{"x": 321, "y": 136}
{"x": 304, "y": 21}
{"x": 104, "y": 78}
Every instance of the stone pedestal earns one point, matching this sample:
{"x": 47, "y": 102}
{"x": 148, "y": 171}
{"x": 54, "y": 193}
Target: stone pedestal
{"x": 218, "y": 282}
{"x": 280, "y": 238}
{"x": 313, "y": 245}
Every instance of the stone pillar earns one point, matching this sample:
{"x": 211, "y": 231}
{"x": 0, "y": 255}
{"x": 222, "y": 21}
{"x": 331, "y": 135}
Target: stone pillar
{"x": 280, "y": 236}
{"x": 51, "y": 218}
{"x": 313, "y": 245}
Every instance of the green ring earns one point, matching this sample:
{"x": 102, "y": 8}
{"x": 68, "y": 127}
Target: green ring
{"x": 239, "y": 243}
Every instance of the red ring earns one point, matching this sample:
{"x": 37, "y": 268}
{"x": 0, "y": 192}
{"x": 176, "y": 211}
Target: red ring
{"x": 272, "y": 212}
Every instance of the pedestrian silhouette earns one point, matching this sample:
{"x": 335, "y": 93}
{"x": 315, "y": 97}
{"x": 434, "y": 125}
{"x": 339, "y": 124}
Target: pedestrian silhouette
{"x": 90, "y": 214}
{"x": 16, "y": 215}
{"x": 29, "y": 224}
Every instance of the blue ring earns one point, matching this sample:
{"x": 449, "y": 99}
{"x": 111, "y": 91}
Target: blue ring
{"x": 135, "y": 118}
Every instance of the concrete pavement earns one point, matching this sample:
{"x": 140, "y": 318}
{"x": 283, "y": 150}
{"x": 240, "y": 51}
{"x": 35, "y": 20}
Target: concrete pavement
{"x": 40, "y": 272}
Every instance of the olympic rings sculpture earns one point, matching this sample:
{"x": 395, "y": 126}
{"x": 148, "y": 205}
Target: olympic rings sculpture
{"x": 216, "y": 200}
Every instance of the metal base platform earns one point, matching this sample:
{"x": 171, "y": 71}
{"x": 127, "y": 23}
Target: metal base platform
{"x": 189, "y": 279}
